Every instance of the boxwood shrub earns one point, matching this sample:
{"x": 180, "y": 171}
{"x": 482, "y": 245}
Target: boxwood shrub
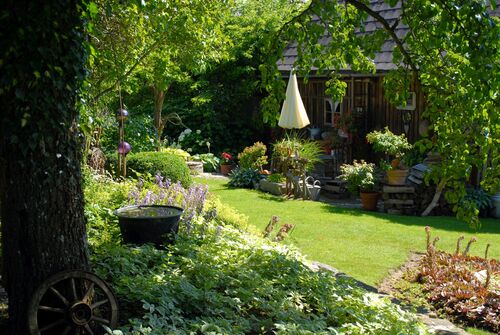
{"x": 168, "y": 165}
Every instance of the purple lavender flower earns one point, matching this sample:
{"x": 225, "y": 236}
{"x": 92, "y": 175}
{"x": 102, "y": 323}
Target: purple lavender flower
{"x": 159, "y": 180}
{"x": 191, "y": 200}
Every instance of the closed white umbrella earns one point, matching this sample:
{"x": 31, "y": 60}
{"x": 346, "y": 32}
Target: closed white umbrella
{"x": 293, "y": 113}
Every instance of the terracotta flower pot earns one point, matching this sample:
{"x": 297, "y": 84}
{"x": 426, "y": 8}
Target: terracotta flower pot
{"x": 225, "y": 169}
{"x": 397, "y": 177}
{"x": 369, "y": 200}
{"x": 395, "y": 163}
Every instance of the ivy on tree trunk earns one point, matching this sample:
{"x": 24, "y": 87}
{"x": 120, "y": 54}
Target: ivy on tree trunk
{"x": 42, "y": 66}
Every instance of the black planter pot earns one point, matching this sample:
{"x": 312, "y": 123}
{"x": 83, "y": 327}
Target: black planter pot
{"x": 149, "y": 224}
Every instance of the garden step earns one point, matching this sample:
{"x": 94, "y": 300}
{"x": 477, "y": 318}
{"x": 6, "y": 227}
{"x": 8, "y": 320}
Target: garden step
{"x": 333, "y": 188}
{"x": 415, "y": 180}
{"x": 398, "y": 202}
{"x": 398, "y": 189}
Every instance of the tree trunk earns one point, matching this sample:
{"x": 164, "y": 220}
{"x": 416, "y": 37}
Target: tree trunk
{"x": 159, "y": 97}
{"x": 43, "y": 225}
{"x": 435, "y": 199}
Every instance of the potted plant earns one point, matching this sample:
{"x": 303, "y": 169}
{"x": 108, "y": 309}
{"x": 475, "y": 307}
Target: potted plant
{"x": 360, "y": 178}
{"x": 394, "y": 147}
{"x": 344, "y": 123}
{"x": 226, "y": 163}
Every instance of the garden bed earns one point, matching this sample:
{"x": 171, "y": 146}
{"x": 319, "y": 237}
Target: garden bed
{"x": 456, "y": 286}
{"x": 218, "y": 278}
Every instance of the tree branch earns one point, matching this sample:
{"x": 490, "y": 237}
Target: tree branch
{"x": 363, "y": 7}
{"x": 148, "y": 50}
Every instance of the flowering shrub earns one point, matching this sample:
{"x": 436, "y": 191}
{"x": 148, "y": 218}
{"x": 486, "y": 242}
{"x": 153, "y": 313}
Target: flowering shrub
{"x": 253, "y": 157}
{"x": 389, "y": 143}
{"x": 165, "y": 192}
{"x": 359, "y": 176}
{"x": 194, "y": 141}
{"x": 226, "y": 158}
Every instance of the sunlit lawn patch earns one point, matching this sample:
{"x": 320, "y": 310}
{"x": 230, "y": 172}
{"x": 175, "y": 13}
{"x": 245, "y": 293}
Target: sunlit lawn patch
{"x": 365, "y": 245}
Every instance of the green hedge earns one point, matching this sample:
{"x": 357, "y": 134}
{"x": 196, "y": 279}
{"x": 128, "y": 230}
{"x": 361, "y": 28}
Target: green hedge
{"x": 152, "y": 162}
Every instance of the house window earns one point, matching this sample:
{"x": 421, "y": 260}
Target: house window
{"x": 331, "y": 109}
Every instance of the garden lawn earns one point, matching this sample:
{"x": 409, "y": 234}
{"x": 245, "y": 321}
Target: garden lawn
{"x": 362, "y": 244}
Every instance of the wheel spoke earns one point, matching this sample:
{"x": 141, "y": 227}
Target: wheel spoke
{"x": 60, "y": 296}
{"x": 51, "y": 309}
{"x": 99, "y": 303}
{"x": 72, "y": 302}
{"x": 73, "y": 289}
{"x": 88, "y": 330}
{"x": 100, "y": 320}
{"x": 52, "y": 325}
{"x": 89, "y": 292}
{"x": 66, "y": 330}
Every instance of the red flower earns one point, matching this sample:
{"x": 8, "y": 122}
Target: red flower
{"x": 226, "y": 158}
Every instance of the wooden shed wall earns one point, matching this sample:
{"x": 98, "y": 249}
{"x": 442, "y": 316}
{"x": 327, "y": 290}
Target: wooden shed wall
{"x": 369, "y": 92}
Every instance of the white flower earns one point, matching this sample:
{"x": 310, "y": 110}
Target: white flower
{"x": 198, "y": 131}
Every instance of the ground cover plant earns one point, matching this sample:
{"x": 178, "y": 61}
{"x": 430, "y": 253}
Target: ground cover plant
{"x": 246, "y": 178}
{"x": 362, "y": 244}
{"x": 464, "y": 288}
{"x": 218, "y": 279}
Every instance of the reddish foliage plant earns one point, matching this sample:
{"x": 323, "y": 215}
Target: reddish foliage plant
{"x": 465, "y": 288}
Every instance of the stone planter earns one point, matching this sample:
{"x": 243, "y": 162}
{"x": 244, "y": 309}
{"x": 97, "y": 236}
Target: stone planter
{"x": 397, "y": 177}
{"x": 149, "y": 224}
{"x": 195, "y": 167}
{"x": 369, "y": 200}
{"x": 272, "y": 187}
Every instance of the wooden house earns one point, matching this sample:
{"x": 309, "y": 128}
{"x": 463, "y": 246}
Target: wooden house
{"x": 365, "y": 97}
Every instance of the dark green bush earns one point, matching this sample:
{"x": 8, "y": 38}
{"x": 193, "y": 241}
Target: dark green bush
{"x": 244, "y": 178}
{"x": 168, "y": 165}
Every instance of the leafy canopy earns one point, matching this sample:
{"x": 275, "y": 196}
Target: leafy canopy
{"x": 452, "y": 50}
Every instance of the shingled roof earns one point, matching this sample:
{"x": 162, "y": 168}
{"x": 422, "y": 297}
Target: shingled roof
{"x": 383, "y": 59}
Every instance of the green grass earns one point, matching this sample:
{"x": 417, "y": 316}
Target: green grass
{"x": 475, "y": 331}
{"x": 362, "y": 244}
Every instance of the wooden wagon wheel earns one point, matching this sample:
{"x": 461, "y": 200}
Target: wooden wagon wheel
{"x": 72, "y": 303}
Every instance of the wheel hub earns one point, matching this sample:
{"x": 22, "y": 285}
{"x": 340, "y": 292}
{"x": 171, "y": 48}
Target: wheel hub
{"x": 80, "y": 313}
